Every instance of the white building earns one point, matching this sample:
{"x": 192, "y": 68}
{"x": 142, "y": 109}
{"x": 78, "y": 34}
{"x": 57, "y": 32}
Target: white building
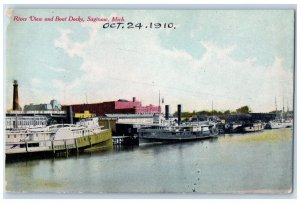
{"x": 24, "y": 122}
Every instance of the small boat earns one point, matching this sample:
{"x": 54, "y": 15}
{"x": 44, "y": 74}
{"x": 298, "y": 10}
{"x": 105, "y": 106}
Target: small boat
{"x": 279, "y": 123}
{"x": 244, "y": 127}
{"x": 56, "y": 138}
{"x": 233, "y": 127}
{"x": 249, "y": 126}
{"x": 252, "y": 127}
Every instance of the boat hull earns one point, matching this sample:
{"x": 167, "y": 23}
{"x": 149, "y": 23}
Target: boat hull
{"x": 278, "y": 125}
{"x": 47, "y": 147}
{"x": 174, "y": 137}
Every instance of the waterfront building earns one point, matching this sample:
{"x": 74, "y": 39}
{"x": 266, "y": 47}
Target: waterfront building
{"x": 34, "y": 119}
{"x": 85, "y": 114}
{"x": 109, "y": 121}
{"x": 54, "y": 105}
{"x": 120, "y": 106}
{"x": 25, "y": 121}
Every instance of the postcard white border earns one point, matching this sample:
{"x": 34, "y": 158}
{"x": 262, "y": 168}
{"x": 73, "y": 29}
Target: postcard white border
{"x": 276, "y": 4}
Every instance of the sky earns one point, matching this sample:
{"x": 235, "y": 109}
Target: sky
{"x": 220, "y": 58}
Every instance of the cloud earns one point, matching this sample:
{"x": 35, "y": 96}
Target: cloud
{"x": 35, "y": 82}
{"x": 67, "y": 92}
{"x": 71, "y": 48}
{"x": 55, "y": 69}
{"x": 120, "y": 64}
{"x": 244, "y": 82}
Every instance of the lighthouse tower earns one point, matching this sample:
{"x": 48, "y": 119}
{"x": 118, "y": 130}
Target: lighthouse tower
{"x": 16, "y": 105}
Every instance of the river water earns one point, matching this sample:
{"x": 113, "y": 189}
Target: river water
{"x": 238, "y": 163}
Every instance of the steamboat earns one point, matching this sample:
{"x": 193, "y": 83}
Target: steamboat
{"x": 172, "y": 130}
{"x": 57, "y": 138}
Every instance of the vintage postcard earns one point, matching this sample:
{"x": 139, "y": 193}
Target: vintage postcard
{"x": 149, "y": 101}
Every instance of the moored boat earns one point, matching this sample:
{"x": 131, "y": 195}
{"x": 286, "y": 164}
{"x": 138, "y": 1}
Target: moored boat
{"x": 183, "y": 132}
{"x": 279, "y": 123}
{"x": 252, "y": 127}
{"x": 56, "y": 138}
{"x": 233, "y": 127}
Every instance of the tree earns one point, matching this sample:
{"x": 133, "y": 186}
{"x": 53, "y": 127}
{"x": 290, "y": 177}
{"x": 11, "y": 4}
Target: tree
{"x": 243, "y": 109}
{"x": 227, "y": 112}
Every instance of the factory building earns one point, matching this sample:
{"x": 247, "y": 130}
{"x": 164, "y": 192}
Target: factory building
{"x": 54, "y": 105}
{"x": 120, "y": 106}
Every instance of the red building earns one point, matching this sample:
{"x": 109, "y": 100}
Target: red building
{"x": 114, "y": 107}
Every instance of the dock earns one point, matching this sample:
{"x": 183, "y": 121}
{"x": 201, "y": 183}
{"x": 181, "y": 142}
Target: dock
{"x": 125, "y": 140}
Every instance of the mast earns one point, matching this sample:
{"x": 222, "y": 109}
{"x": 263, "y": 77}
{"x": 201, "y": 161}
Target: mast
{"x": 282, "y": 107}
{"x": 212, "y": 107}
{"x": 86, "y": 101}
{"x": 275, "y": 105}
{"x": 159, "y": 100}
{"x": 283, "y": 104}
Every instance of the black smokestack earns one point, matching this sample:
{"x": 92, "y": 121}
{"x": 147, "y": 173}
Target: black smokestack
{"x": 167, "y": 112}
{"x": 179, "y": 113}
{"x": 16, "y": 105}
{"x": 70, "y": 114}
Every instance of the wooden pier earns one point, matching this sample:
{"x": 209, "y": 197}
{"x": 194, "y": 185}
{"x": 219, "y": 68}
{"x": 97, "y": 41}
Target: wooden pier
{"x": 125, "y": 140}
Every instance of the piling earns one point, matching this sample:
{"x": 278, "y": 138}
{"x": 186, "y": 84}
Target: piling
{"x": 66, "y": 147}
{"x": 90, "y": 141}
{"x": 76, "y": 145}
{"x": 26, "y": 145}
{"x": 53, "y": 148}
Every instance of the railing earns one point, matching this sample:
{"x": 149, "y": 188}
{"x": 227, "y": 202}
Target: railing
{"x": 58, "y": 145}
{"x": 37, "y": 112}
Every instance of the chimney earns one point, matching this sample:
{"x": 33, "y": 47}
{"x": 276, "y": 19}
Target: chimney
{"x": 167, "y": 112}
{"x": 16, "y": 105}
{"x": 179, "y": 113}
{"x": 133, "y": 99}
{"x": 70, "y": 114}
